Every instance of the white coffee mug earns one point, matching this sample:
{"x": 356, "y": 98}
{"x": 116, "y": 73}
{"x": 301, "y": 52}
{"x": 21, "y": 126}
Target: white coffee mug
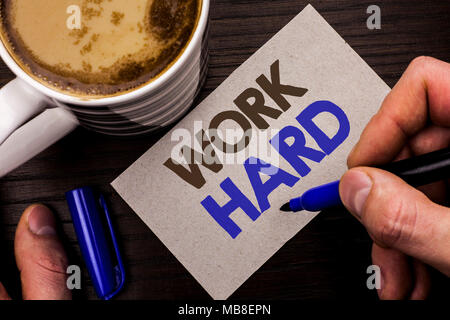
{"x": 34, "y": 116}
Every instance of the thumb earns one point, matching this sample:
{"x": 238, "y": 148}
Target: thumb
{"x": 398, "y": 216}
{"x": 40, "y": 256}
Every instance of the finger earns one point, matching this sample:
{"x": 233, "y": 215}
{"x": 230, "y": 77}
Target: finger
{"x": 430, "y": 139}
{"x": 436, "y": 192}
{"x": 422, "y": 281}
{"x": 398, "y": 216}
{"x": 40, "y": 256}
{"x": 3, "y": 294}
{"x": 421, "y": 94}
{"x": 404, "y": 153}
{"x": 397, "y": 278}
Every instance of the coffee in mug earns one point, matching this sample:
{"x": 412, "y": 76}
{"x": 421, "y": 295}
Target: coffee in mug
{"x": 97, "y": 48}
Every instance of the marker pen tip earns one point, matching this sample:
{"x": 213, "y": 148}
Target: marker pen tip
{"x": 286, "y": 207}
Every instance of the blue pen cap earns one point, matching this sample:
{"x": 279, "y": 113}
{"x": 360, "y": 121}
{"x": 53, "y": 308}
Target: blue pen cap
{"x": 97, "y": 241}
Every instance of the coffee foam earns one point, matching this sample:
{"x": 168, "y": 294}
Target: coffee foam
{"x": 120, "y": 46}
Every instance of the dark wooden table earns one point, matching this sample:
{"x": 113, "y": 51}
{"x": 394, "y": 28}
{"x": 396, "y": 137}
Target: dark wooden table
{"x": 328, "y": 259}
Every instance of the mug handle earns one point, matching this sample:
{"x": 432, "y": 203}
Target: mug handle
{"x": 21, "y": 138}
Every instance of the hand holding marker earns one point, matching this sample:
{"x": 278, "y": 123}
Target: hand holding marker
{"x": 417, "y": 171}
{"x": 410, "y": 227}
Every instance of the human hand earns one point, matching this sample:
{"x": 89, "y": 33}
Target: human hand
{"x": 409, "y": 228}
{"x": 40, "y": 257}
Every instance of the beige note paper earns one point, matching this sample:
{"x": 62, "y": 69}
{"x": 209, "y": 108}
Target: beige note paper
{"x": 282, "y": 123}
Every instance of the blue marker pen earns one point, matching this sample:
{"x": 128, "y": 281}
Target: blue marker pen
{"x": 417, "y": 171}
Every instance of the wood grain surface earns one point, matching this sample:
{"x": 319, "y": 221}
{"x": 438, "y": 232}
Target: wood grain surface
{"x": 328, "y": 259}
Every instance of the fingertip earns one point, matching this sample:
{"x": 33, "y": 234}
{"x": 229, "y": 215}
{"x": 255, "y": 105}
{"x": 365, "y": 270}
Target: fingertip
{"x": 37, "y": 220}
{"x": 422, "y": 283}
{"x": 3, "y": 294}
{"x": 354, "y": 189}
{"x": 41, "y": 221}
{"x": 351, "y": 156}
{"x": 397, "y": 280}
